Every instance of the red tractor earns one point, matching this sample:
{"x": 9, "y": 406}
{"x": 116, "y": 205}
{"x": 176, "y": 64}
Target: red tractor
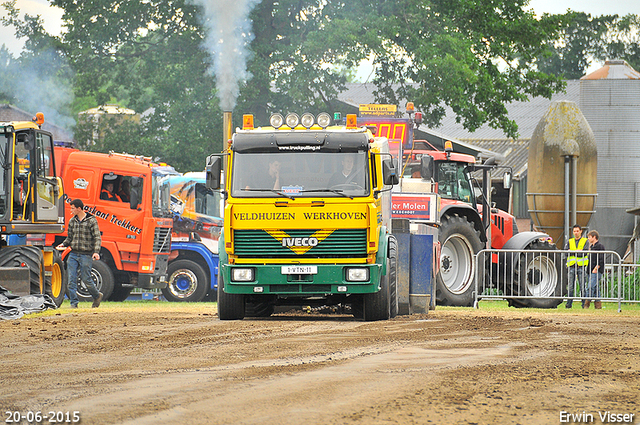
{"x": 465, "y": 230}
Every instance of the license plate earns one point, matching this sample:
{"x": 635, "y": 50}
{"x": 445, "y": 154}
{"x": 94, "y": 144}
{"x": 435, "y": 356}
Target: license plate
{"x": 299, "y": 270}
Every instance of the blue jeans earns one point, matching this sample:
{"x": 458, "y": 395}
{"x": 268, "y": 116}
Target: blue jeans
{"x": 80, "y": 263}
{"x": 594, "y": 288}
{"x": 580, "y": 273}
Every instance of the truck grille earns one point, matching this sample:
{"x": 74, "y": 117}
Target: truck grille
{"x": 162, "y": 240}
{"x": 341, "y": 243}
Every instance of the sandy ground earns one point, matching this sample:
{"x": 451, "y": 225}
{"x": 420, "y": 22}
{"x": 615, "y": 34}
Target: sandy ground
{"x": 184, "y": 366}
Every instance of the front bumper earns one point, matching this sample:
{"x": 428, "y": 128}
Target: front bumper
{"x": 329, "y": 279}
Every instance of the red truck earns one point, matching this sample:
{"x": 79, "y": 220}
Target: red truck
{"x": 130, "y": 197}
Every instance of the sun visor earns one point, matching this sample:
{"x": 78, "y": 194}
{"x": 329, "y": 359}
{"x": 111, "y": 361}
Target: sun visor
{"x": 300, "y": 141}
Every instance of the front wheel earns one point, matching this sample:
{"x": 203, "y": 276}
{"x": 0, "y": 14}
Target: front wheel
{"x": 56, "y": 281}
{"x": 103, "y": 279}
{"x": 539, "y": 274}
{"x": 230, "y": 306}
{"x": 376, "y": 306}
{"x": 187, "y": 282}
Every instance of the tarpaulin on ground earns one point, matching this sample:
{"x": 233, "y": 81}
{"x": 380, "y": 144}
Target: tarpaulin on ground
{"x": 15, "y": 306}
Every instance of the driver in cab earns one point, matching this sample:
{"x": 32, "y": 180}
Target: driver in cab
{"x": 348, "y": 174}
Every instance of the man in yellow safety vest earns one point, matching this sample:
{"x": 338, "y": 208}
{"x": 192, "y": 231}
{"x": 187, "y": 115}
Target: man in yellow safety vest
{"x": 577, "y": 263}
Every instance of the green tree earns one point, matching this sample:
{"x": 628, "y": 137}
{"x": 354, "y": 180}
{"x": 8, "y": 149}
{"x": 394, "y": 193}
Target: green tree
{"x": 40, "y": 78}
{"x": 585, "y": 39}
{"x": 472, "y": 55}
{"x": 147, "y": 56}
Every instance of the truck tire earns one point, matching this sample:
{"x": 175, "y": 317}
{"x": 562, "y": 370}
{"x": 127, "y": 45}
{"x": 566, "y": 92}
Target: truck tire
{"x": 187, "y": 282}
{"x": 56, "y": 283}
{"x": 393, "y": 277}
{"x": 31, "y": 256}
{"x": 230, "y": 306}
{"x": 258, "y": 309}
{"x": 377, "y": 305}
{"x": 455, "y": 280}
{"x": 538, "y": 275}
{"x": 102, "y": 277}
{"x": 120, "y": 293}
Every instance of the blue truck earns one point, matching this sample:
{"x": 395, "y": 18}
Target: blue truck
{"x": 197, "y": 222}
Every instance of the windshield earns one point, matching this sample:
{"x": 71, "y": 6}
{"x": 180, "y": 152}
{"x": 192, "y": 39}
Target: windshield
{"x": 161, "y": 195}
{"x": 453, "y": 181}
{"x": 302, "y": 174}
{"x": 208, "y": 202}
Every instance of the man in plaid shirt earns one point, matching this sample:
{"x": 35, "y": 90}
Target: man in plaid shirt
{"x": 83, "y": 236}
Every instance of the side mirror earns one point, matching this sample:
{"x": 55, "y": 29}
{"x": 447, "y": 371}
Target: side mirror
{"x": 389, "y": 172}
{"x": 135, "y": 192}
{"x": 427, "y": 166}
{"x": 506, "y": 180}
{"x": 213, "y": 170}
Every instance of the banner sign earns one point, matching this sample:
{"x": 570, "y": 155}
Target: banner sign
{"x": 378, "y": 110}
{"x": 423, "y": 208}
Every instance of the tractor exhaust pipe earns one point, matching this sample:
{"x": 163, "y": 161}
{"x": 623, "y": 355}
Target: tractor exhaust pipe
{"x": 226, "y": 128}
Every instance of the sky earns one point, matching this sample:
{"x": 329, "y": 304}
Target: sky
{"x": 53, "y": 24}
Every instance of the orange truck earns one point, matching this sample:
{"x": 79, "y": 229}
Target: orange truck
{"x": 130, "y": 197}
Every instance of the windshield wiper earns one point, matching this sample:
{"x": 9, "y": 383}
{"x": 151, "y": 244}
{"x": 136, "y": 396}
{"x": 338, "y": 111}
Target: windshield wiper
{"x": 339, "y": 192}
{"x": 277, "y": 192}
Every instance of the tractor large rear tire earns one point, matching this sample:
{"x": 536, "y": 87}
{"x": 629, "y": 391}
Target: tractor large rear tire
{"x": 540, "y": 275}
{"x": 455, "y": 282}
{"x": 31, "y": 257}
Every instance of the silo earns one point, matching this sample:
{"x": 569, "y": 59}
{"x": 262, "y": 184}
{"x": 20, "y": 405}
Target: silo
{"x": 610, "y": 101}
{"x": 563, "y": 162}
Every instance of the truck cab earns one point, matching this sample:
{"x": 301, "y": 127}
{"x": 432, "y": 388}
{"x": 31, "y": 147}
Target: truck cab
{"x": 307, "y": 218}
{"x": 129, "y": 195}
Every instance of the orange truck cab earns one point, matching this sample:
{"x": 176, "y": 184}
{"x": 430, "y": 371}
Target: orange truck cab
{"x": 130, "y": 197}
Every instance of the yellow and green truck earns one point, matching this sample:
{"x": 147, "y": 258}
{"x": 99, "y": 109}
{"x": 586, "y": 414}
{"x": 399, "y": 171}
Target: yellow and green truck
{"x": 307, "y": 218}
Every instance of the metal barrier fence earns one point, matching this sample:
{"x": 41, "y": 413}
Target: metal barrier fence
{"x": 542, "y": 279}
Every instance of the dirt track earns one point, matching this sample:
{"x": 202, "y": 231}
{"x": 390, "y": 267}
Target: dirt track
{"x": 182, "y": 365}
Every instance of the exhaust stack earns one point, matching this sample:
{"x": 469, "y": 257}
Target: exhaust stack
{"x": 226, "y": 128}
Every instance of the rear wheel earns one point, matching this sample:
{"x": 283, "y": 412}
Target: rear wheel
{"x": 538, "y": 275}
{"x": 258, "y": 309}
{"x": 230, "y": 306}
{"x": 120, "y": 293}
{"x": 460, "y": 242}
{"x": 187, "y": 282}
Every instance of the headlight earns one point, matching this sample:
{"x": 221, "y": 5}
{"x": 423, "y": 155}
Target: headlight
{"x": 242, "y": 275}
{"x": 307, "y": 120}
{"x": 292, "y": 120}
{"x": 276, "y": 120}
{"x": 324, "y": 120}
{"x": 358, "y": 274}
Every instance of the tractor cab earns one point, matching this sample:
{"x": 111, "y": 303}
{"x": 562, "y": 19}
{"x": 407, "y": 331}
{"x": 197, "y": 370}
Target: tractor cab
{"x": 30, "y": 193}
